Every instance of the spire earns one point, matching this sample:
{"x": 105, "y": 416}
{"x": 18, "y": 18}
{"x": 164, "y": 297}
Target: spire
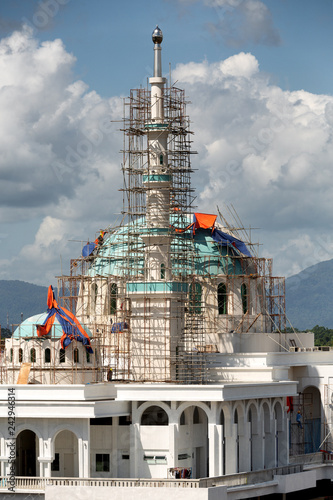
{"x": 157, "y": 37}
{"x": 157, "y": 81}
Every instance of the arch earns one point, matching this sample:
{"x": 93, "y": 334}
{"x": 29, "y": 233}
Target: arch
{"x": 265, "y": 413}
{"x": 76, "y": 355}
{"x": 11, "y": 354}
{"x": 222, "y": 298}
{"x": 154, "y": 415}
{"x": 33, "y": 355}
{"x": 94, "y": 293}
{"x": 20, "y": 355}
{"x": 238, "y": 420}
{"x": 194, "y": 418}
{"x": 252, "y": 416}
{"x": 182, "y": 407}
{"x": 26, "y": 453}
{"x": 64, "y": 427}
{"x": 47, "y": 355}
{"x": 113, "y": 295}
{"x": 195, "y": 298}
{"x": 65, "y": 453}
{"x": 162, "y": 271}
{"x": 62, "y": 356}
{"x": 278, "y": 415}
{"x": 244, "y": 296}
{"x": 254, "y": 437}
{"x": 312, "y": 411}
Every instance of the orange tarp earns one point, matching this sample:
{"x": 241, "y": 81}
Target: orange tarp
{"x": 204, "y": 221}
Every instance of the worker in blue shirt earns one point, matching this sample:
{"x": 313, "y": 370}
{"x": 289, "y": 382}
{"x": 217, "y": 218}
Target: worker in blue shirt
{"x": 299, "y": 420}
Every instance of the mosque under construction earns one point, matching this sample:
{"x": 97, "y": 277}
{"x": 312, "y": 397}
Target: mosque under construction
{"x": 171, "y": 319}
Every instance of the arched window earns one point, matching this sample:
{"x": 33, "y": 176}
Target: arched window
{"x": 195, "y": 293}
{"x": 162, "y": 271}
{"x": 20, "y": 355}
{"x": 154, "y": 415}
{"x": 76, "y": 355}
{"x": 113, "y": 292}
{"x": 95, "y": 293}
{"x": 47, "y": 355}
{"x": 33, "y": 355}
{"x": 222, "y": 298}
{"x": 244, "y": 298}
{"x": 62, "y": 356}
{"x": 161, "y": 159}
{"x": 88, "y": 357}
{"x": 11, "y": 354}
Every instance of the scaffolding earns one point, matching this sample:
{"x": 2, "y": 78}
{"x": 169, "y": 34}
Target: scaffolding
{"x": 166, "y": 328}
{"x": 170, "y": 338}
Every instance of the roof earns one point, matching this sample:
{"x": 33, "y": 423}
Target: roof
{"x": 113, "y": 258}
{"x": 28, "y": 328}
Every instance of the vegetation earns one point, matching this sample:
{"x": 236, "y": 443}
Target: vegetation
{"x": 323, "y": 335}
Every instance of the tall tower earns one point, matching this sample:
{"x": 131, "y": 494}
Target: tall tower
{"x": 157, "y": 201}
{"x": 157, "y": 177}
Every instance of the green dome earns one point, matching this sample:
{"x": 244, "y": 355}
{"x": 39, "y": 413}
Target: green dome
{"x": 28, "y": 328}
{"x": 121, "y": 254}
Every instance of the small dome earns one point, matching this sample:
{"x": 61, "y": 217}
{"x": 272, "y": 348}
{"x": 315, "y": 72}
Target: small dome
{"x": 28, "y": 328}
{"x": 157, "y": 35}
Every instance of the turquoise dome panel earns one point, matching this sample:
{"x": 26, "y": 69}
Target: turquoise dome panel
{"x": 28, "y": 328}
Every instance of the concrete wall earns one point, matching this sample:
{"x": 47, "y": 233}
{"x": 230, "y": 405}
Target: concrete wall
{"x": 105, "y": 493}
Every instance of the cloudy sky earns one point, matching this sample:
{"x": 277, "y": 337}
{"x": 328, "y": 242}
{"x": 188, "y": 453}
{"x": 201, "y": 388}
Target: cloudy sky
{"x": 258, "y": 73}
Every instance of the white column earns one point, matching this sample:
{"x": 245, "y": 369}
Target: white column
{"x": 134, "y": 441}
{"x": 114, "y": 446}
{"x": 45, "y": 457}
{"x": 173, "y": 436}
{"x": 231, "y": 450}
{"x": 244, "y": 445}
{"x": 270, "y": 446}
{"x": 84, "y": 450}
{"x": 213, "y": 442}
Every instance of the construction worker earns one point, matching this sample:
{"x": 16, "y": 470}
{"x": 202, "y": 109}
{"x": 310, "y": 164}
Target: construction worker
{"x": 109, "y": 376}
{"x": 299, "y": 419}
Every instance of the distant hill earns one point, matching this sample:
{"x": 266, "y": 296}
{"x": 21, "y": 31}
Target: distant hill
{"x": 18, "y": 297}
{"x": 309, "y": 297}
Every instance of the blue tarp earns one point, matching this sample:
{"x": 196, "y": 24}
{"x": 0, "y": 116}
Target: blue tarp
{"x": 227, "y": 239}
{"x": 119, "y": 327}
{"x": 88, "y": 249}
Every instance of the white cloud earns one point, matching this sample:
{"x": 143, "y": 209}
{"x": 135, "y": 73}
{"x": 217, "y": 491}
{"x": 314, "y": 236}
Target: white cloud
{"x": 268, "y": 152}
{"x": 58, "y": 153}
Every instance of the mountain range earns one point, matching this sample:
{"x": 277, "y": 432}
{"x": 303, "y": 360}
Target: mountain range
{"x": 309, "y": 298}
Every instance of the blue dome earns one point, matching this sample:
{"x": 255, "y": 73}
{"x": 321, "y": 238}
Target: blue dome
{"x": 118, "y": 256}
{"x": 28, "y": 328}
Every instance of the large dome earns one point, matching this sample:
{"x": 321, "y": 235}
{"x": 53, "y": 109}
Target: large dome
{"x": 113, "y": 256}
{"x": 28, "y": 328}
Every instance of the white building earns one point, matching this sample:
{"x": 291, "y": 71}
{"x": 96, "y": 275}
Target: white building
{"x": 190, "y": 323}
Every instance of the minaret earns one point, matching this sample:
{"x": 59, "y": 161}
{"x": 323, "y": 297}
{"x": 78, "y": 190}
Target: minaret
{"x": 157, "y": 177}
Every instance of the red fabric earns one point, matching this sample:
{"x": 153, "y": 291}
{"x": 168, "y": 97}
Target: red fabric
{"x": 290, "y": 401}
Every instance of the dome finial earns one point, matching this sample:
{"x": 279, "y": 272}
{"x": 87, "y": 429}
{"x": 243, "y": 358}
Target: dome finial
{"x": 157, "y": 35}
